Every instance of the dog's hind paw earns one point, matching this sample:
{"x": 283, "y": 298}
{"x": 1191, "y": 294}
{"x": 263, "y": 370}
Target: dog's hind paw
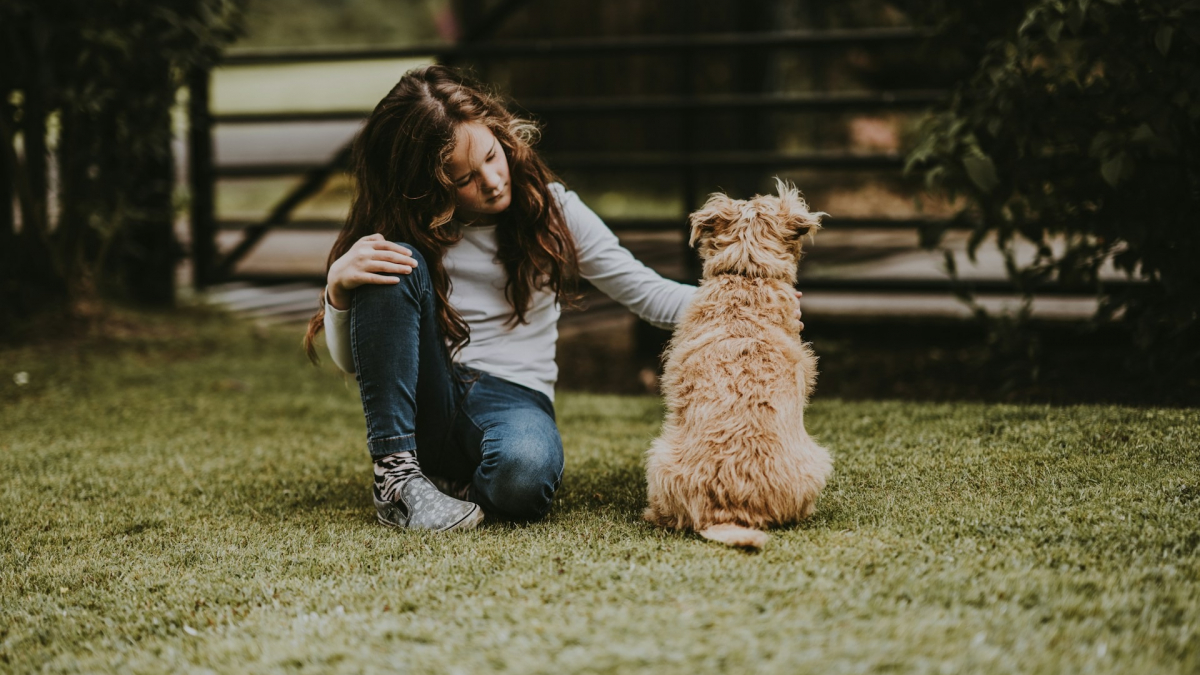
{"x": 654, "y": 517}
{"x": 735, "y": 535}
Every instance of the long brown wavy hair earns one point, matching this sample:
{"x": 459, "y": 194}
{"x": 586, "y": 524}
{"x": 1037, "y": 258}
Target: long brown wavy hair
{"x": 402, "y": 191}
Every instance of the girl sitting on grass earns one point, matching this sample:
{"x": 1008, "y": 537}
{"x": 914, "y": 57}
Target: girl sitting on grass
{"x": 443, "y": 295}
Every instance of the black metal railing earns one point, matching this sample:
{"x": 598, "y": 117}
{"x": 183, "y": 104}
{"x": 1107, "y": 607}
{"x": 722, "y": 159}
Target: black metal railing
{"x": 687, "y": 161}
{"x": 791, "y": 39}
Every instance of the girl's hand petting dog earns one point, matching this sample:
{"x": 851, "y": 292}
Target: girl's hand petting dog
{"x": 799, "y": 294}
{"x": 367, "y": 262}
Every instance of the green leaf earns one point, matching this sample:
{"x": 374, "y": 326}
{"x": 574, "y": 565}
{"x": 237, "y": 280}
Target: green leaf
{"x": 1144, "y": 134}
{"x": 982, "y": 172}
{"x": 1162, "y": 38}
{"x": 1100, "y": 144}
{"x": 1054, "y": 30}
{"x": 1112, "y": 169}
{"x": 1031, "y": 18}
{"x": 1075, "y": 16}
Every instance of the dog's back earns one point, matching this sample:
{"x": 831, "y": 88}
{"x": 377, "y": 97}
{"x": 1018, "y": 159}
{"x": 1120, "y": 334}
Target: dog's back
{"x": 734, "y": 457}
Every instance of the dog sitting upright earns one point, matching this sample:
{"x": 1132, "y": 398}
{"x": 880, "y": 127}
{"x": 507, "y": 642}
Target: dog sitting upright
{"x": 733, "y": 457}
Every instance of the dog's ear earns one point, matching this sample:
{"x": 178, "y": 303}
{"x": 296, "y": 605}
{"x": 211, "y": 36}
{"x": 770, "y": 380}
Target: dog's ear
{"x": 716, "y": 214}
{"x": 794, "y": 211}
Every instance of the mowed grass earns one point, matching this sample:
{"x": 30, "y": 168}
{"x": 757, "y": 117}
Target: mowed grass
{"x": 184, "y": 494}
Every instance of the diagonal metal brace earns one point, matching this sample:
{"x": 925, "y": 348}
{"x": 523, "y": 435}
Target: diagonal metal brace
{"x": 315, "y": 179}
{"x": 313, "y": 182}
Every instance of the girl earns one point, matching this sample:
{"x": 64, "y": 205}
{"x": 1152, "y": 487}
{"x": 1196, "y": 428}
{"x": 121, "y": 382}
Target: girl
{"x": 443, "y": 295}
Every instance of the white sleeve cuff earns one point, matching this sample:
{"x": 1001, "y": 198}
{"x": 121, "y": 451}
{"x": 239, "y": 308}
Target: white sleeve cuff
{"x": 337, "y": 336}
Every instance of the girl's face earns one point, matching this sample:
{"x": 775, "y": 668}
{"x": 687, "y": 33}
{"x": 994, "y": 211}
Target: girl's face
{"x": 479, "y": 169}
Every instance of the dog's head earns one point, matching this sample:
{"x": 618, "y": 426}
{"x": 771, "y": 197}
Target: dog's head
{"x": 760, "y": 237}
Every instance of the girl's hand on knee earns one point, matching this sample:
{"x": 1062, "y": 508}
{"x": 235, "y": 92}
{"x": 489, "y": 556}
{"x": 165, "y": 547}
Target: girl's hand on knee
{"x": 369, "y": 261}
{"x": 799, "y": 294}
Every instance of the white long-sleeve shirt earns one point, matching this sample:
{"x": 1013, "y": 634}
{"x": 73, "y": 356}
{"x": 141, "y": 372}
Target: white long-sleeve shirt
{"x": 525, "y": 353}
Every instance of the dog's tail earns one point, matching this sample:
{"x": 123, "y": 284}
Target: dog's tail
{"x": 735, "y": 535}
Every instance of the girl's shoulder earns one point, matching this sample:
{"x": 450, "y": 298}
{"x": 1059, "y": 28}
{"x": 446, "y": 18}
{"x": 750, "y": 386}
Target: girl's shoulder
{"x": 558, "y": 191}
{"x": 567, "y": 200}
{"x": 583, "y": 223}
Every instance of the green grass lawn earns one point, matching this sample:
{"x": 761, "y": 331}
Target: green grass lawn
{"x": 187, "y": 495}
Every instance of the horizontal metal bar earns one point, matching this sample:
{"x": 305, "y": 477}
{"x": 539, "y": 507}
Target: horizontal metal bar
{"x": 931, "y": 286}
{"x": 707, "y": 160}
{"x": 291, "y": 117}
{"x": 622, "y": 224}
{"x": 233, "y": 225}
{"x": 833, "y": 100}
{"x": 313, "y": 225}
{"x": 637, "y": 161}
{"x": 817, "y": 101}
{"x": 637, "y": 224}
{"x": 284, "y": 117}
{"x": 583, "y": 46}
{"x": 274, "y": 170}
{"x": 830, "y": 222}
{"x": 909, "y": 223}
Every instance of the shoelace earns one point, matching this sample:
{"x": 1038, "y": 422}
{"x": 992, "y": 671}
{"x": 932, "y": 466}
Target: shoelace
{"x": 392, "y": 472}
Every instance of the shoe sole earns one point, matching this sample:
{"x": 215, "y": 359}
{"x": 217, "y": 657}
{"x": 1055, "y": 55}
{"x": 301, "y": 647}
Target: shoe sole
{"x": 468, "y": 522}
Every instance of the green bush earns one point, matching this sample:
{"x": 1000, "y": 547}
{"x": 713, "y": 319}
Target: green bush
{"x": 103, "y": 75}
{"x": 1079, "y": 132}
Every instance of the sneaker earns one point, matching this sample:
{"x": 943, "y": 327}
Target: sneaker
{"x": 405, "y": 498}
{"x": 451, "y": 488}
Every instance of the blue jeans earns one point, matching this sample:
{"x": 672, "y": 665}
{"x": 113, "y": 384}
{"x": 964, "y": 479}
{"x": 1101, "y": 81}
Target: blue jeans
{"x": 464, "y": 424}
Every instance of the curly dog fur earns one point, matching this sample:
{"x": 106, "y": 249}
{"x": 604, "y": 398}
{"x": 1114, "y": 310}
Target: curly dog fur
{"x": 733, "y": 457}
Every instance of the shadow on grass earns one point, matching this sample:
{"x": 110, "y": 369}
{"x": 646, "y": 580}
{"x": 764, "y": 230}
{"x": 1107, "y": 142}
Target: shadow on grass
{"x": 920, "y": 360}
{"x": 949, "y": 361}
{"x": 619, "y": 489}
{"x": 617, "y": 494}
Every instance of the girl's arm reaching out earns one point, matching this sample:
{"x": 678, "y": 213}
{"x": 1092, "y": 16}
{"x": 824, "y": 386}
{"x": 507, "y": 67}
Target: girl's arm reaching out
{"x": 614, "y": 270}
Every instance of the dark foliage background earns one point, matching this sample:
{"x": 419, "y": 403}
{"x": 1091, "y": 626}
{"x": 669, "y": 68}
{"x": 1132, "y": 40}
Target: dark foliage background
{"x": 103, "y": 75}
{"x": 1073, "y": 129}
{"x": 1078, "y": 131}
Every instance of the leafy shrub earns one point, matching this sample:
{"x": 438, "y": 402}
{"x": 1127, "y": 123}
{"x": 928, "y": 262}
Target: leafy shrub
{"x": 104, "y": 76}
{"x": 1079, "y": 132}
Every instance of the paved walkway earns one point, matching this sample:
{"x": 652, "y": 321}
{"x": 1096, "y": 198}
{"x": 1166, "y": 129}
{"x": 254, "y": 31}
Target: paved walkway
{"x": 856, "y": 254}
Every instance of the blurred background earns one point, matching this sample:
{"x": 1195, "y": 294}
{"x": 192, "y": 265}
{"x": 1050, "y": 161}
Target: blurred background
{"x": 970, "y": 156}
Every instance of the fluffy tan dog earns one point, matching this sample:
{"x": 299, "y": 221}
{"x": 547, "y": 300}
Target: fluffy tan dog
{"x": 733, "y": 457}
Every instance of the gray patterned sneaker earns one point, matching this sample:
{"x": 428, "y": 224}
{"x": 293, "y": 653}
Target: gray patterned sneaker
{"x": 451, "y": 488}
{"x": 405, "y": 498}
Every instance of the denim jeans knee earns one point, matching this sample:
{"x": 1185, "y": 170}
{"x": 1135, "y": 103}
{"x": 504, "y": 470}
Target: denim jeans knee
{"x": 522, "y": 464}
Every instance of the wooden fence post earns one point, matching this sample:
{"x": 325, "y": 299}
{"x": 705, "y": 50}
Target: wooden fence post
{"x": 8, "y": 176}
{"x": 201, "y": 178}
